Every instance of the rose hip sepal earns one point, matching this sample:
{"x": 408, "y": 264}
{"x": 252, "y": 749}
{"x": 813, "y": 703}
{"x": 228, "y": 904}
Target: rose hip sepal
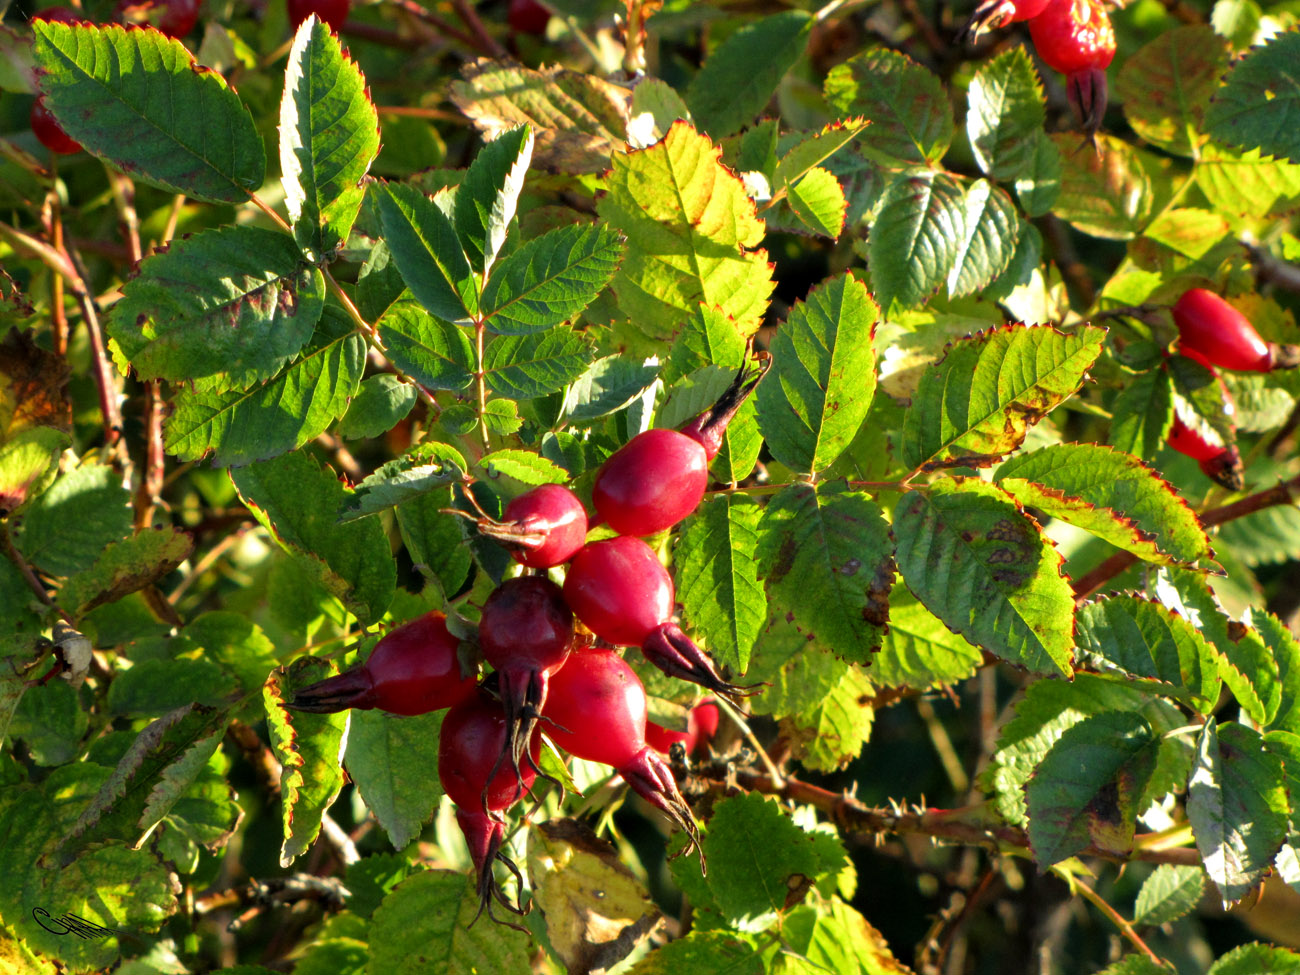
{"x": 1214, "y": 333}
{"x": 1220, "y": 463}
{"x": 469, "y": 749}
{"x": 525, "y": 632}
{"x": 596, "y": 710}
{"x": 620, "y": 590}
{"x": 709, "y": 427}
{"x": 414, "y": 669}
{"x": 992, "y": 14}
{"x": 542, "y": 528}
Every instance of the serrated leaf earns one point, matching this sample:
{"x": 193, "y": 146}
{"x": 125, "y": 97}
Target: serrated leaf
{"x": 689, "y": 225}
{"x": 126, "y": 567}
{"x": 741, "y": 75}
{"x": 919, "y": 650}
{"x": 606, "y": 386}
{"x": 1110, "y": 494}
{"x": 228, "y": 306}
{"x": 1142, "y": 413}
{"x": 1088, "y": 787}
{"x": 1254, "y": 958}
{"x": 1166, "y": 87}
{"x": 818, "y": 201}
{"x": 823, "y": 375}
{"x": 1146, "y": 640}
{"x": 1285, "y": 649}
{"x": 596, "y": 909}
{"x": 1237, "y": 807}
{"x": 137, "y": 99}
{"x": 977, "y": 403}
{"x": 830, "y": 731}
{"x": 1039, "y": 184}
{"x": 434, "y": 352}
{"x": 1005, "y": 110}
{"x": 836, "y": 938}
{"x": 1106, "y": 193}
{"x": 424, "y": 245}
{"x": 717, "y": 577}
{"x": 64, "y": 530}
{"x": 1258, "y": 106}
{"x": 381, "y": 402}
{"x": 527, "y": 366}
{"x": 1170, "y": 892}
{"x": 825, "y": 556}
{"x": 429, "y": 466}
{"x": 579, "y": 119}
{"x": 329, "y": 135}
{"x": 704, "y": 951}
{"x": 488, "y": 195}
{"x": 991, "y": 229}
{"x": 708, "y": 338}
{"x": 977, "y": 562}
{"x": 51, "y": 721}
{"x": 911, "y": 119}
{"x": 394, "y": 762}
{"x": 656, "y": 105}
{"x": 915, "y": 237}
{"x": 423, "y": 928}
{"x": 813, "y": 150}
{"x": 299, "y": 503}
{"x": 523, "y": 466}
{"x": 1247, "y": 184}
{"x": 296, "y": 406}
{"x": 550, "y": 279}
{"x": 310, "y": 750}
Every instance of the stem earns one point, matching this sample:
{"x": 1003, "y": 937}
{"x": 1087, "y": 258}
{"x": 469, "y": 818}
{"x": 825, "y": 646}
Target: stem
{"x": 351, "y": 309}
{"x": 105, "y": 380}
{"x": 743, "y": 725}
{"x": 28, "y": 573}
{"x": 441, "y": 26}
{"x": 1117, "y": 919}
{"x": 485, "y": 41}
{"x": 275, "y": 217}
{"x": 480, "y": 382}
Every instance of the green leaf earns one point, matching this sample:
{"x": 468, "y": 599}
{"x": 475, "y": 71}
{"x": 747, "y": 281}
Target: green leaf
{"x": 1142, "y": 413}
{"x": 1145, "y": 640}
{"x": 1005, "y": 111}
{"x": 1088, "y": 788}
{"x": 488, "y": 195}
{"x": 125, "y": 567}
{"x": 423, "y": 928}
{"x": 915, "y": 239}
{"x": 1247, "y": 183}
{"x": 1255, "y": 958}
{"x": 1039, "y": 185}
{"x": 741, "y": 75}
{"x": 426, "y": 467}
{"x": 708, "y": 338}
{"x": 1285, "y": 649}
{"x": 991, "y": 230}
{"x": 237, "y": 644}
{"x": 434, "y": 539}
{"x": 65, "y": 529}
{"x": 977, "y": 403}
{"x": 1106, "y": 193}
{"x": 1170, "y": 892}
{"x": 689, "y": 226}
{"x": 27, "y": 463}
{"x": 1201, "y": 399}
{"x": 1165, "y": 87}
{"x": 296, "y": 406}
{"x": 823, "y": 375}
{"x": 1110, "y": 494}
{"x": 310, "y": 749}
{"x": 50, "y": 721}
{"x": 836, "y": 938}
{"x": 826, "y": 558}
{"x": 550, "y": 279}
{"x": 717, "y": 577}
{"x": 299, "y": 503}
{"x": 523, "y": 466}
{"x": 20, "y": 624}
{"x": 394, "y": 762}
{"x": 968, "y": 552}
{"x": 427, "y": 251}
{"x": 228, "y": 306}
{"x": 137, "y": 99}
{"x": 528, "y": 366}
{"x": 919, "y": 650}
{"x": 813, "y": 150}
{"x": 704, "y": 951}
{"x": 606, "y": 386}
{"x": 819, "y": 700}
{"x": 1258, "y": 106}
{"x": 911, "y": 119}
{"x": 1237, "y": 807}
{"x": 329, "y": 136}
{"x": 381, "y": 403}
{"x": 154, "y": 687}
{"x": 754, "y": 849}
{"x": 1134, "y": 964}
{"x": 432, "y": 351}
{"x": 818, "y": 201}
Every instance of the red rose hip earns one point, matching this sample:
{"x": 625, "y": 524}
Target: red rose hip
{"x": 542, "y": 528}
{"x": 49, "y": 131}
{"x": 1214, "y": 333}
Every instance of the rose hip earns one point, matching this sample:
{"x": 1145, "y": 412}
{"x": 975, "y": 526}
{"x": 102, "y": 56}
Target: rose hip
{"x": 1219, "y": 462}
{"x": 413, "y": 669}
{"x": 542, "y": 528}
{"x": 1077, "y": 38}
{"x": 701, "y": 727}
{"x": 991, "y": 14}
{"x": 1214, "y": 333}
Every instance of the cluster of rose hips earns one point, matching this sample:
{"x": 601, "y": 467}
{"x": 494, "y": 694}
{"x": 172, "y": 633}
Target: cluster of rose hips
{"x": 1074, "y": 37}
{"x": 547, "y": 671}
{"x": 1214, "y": 334}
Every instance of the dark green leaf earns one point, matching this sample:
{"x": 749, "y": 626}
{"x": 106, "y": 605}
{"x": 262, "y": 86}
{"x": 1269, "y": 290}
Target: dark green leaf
{"x": 911, "y": 120}
{"x": 1039, "y": 184}
{"x": 329, "y": 135}
{"x": 975, "y": 560}
{"x": 1142, "y": 414}
{"x": 486, "y": 198}
{"x": 394, "y": 762}
{"x": 1166, "y": 87}
{"x": 977, "y": 403}
{"x": 65, "y": 529}
{"x": 125, "y": 567}
{"x": 1005, "y": 112}
{"x": 429, "y": 466}
{"x": 228, "y": 306}
{"x": 528, "y": 366}
{"x": 1107, "y": 193}
{"x": 836, "y": 938}
{"x": 432, "y": 351}
{"x": 299, "y": 503}
{"x": 1258, "y": 106}
{"x": 991, "y": 228}
{"x": 381, "y": 403}
{"x": 1285, "y": 649}
{"x": 1255, "y": 958}
{"x": 1169, "y": 893}
{"x": 915, "y": 239}
{"x": 427, "y": 251}
{"x": 823, "y": 375}
{"x": 741, "y": 75}
{"x": 434, "y": 539}
{"x": 154, "y": 687}
{"x": 51, "y": 721}
{"x": 137, "y": 99}
{"x": 724, "y": 952}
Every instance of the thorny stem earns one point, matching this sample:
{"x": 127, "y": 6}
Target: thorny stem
{"x": 1117, "y": 919}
